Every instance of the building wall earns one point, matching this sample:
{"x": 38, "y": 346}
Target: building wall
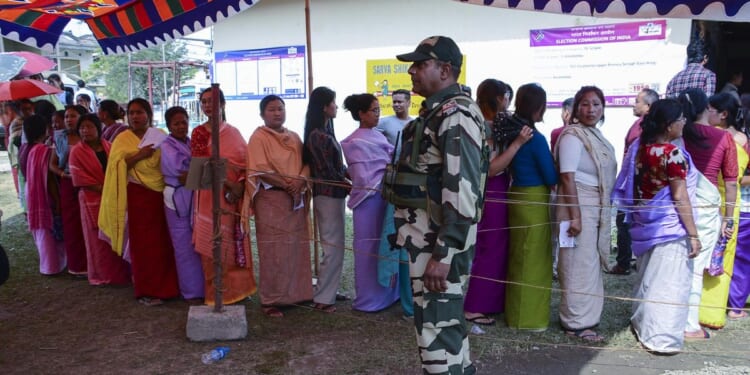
{"x": 345, "y": 34}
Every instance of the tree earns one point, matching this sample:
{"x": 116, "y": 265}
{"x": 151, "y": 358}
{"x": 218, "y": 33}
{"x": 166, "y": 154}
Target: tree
{"x": 112, "y": 70}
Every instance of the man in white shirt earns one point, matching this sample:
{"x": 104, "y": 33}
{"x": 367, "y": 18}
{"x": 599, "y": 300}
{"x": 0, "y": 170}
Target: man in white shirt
{"x": 390, "y": 126}
{"x": 83, "y": 90}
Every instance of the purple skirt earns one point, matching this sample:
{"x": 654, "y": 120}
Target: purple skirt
{"x": 485, "y": 295}
{"x": 739, "y": 289}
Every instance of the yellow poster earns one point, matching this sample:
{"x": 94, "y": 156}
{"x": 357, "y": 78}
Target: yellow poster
{"x": 388, "y": 75}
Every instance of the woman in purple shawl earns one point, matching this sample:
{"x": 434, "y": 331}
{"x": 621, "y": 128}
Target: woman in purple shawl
{"x": 655, "y": 188}
{"x": 367, "y": 152}
{"x": 175, "y": 162}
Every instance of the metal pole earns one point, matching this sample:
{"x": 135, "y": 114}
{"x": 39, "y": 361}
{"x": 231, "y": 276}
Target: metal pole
{"x": 57, "y": 55}
{"x": 150, "y": 87}
{"x": 216, "y": 194}
{"x": 164, "y": 103}
{"x": 176, "y": 76}
{"x": 130, "y": 76}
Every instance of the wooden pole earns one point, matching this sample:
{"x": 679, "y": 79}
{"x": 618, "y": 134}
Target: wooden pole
{"x": 309, "y": 47}
{"x": 216, "y": 184}
{"x": 310, "y": 85}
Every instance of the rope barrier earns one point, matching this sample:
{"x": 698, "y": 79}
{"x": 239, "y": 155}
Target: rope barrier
{"x": 557, "y": 290}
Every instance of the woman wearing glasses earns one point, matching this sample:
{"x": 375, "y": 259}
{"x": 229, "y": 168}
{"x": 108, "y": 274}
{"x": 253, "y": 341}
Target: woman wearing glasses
{"x": 367, "y": 152}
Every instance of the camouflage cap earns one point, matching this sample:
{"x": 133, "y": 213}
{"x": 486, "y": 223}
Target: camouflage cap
{"x": 439, "y": 48}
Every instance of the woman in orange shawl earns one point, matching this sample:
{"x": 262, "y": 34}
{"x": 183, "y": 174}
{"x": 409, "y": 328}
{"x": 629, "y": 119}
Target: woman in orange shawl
{"x": 238, "y": 281}
{"x": 276, "y": 193}
{"x": 88, "y": 161}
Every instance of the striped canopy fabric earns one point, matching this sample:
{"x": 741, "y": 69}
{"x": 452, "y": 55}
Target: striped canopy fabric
{"x": 715, "y": 10}
{"x": 119, "y": 25}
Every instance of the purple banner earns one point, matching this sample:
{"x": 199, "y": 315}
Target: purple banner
{"x": 610, "y": 101}
{"x": 594, "y": 34}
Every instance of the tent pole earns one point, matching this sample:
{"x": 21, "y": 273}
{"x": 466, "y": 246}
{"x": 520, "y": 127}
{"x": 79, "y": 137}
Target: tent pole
{"x": 310, "y": 85}
{"x": 309, "y": 47}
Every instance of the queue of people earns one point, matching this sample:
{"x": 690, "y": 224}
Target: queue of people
{"x": 464, "y": 190}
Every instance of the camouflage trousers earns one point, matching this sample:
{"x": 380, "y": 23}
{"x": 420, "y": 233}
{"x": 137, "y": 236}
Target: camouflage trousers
{"x": 442, "y": 336}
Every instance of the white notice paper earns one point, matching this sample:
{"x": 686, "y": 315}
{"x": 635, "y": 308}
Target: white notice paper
{"x": 564, "y": 240}
{"x": 154, "y": 137}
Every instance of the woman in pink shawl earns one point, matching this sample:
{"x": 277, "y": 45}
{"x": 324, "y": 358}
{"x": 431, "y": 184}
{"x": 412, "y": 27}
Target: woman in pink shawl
{"x": 88, "y": 161}
{"x": 238, "y": 280}
{"x": 367, "y": 153}
{"x": 41, "y": 204}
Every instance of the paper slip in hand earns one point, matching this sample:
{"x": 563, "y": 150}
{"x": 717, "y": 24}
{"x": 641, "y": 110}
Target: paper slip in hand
{"x": 154, "y": 137}
{"x": 299, "y": 204}
{"x": 564, "y": 240}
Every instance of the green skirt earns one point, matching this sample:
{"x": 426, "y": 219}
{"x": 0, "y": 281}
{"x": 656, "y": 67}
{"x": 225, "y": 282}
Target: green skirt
{"x": 530, "y": 258}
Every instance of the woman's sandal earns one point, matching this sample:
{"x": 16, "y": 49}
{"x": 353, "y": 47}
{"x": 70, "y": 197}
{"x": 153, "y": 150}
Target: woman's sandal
{"x": 731, "y": 315}
{"x": 147, "y": 301}
{"x": 586, "y": 335}
{"x": 325, "y": 308}
{"x": 697, "y": 335}
{"x": 272, "y": 312}
{"x": 481, "y": 319}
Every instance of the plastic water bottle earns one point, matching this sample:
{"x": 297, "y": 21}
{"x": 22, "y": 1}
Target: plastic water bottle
{"x": 475, "y": 329}
{"x": 716, "y": 267}
{"x": 215, "y": 355}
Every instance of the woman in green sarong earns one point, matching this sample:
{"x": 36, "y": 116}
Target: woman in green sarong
{"x": 527, "y": 299}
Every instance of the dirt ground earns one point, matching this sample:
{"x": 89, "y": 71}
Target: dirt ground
{"x": 62, "y": 325}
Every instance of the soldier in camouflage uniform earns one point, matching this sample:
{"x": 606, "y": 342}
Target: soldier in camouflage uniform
{"x": 450, "y": 153}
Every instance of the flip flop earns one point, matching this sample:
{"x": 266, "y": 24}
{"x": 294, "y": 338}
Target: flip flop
{"x": 586, "y": 335}
{"x": 705, "y": 336}
{"x": 617, "y": 270}
{"x": 147, "y": 301}
{"x": 734, "y": 316}
{"x": 325, "y": 308}
{"x": 272, "y": 312}
{"x": 482, "y": 320}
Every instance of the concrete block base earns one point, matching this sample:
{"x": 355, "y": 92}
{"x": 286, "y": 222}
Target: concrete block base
{"x": 206, "y": 325}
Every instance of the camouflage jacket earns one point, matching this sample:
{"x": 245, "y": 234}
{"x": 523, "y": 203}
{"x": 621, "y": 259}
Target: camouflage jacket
{"x": 452, "y": 151}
